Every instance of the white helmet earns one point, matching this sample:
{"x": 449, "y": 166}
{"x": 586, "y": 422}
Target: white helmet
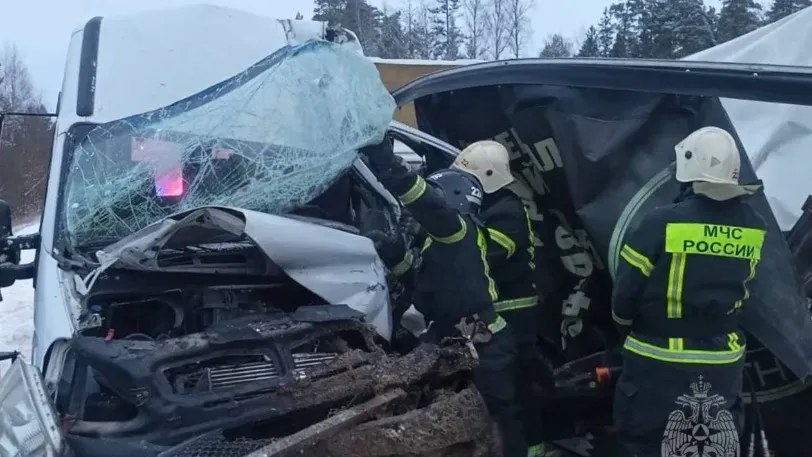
{"x": 709, "y": 158}
{"x": 489, "y": 162}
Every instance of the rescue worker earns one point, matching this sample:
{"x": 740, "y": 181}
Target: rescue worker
{"x": 452, "y": 282}
{"x": 511, "y": 255}
{"x": 679, "y": 290}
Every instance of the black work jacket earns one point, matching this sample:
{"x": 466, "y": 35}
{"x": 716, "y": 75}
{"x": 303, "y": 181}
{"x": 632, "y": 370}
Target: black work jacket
{"x": 450, "y": 271}
{"x": 682, "y": 280}
{"x": 511, "y": 250}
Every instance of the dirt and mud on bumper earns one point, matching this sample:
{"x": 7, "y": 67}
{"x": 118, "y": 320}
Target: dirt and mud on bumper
{"x": 421, "y": 404}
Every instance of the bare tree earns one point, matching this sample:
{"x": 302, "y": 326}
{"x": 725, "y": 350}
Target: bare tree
{"x": 422, "y": 31}
{"x": 16, "y": 90}
{"x": 408, "y": 26}
{"x": 417, "y": 29}
{"x": 25, "y": 143}
{"x": 518, "y": 25}
{"x": 497, "y": 32}
{"x": 475, "y": 13}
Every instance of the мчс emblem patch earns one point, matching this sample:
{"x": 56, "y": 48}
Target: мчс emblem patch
{"x": 700, "y": 428}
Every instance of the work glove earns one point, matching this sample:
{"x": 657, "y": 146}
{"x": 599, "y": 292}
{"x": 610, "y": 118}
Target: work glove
{"x": 383, "y": 161}
{"x": 381, "y": 153}
{"x": 391, "y": 248}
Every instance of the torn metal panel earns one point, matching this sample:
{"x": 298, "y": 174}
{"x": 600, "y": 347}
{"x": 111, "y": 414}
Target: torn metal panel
{"x": 340, "y": 267}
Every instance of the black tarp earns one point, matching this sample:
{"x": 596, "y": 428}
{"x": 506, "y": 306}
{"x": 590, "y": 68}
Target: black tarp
{"x": 595, "y": 160}
{"x": 611, "y": 144}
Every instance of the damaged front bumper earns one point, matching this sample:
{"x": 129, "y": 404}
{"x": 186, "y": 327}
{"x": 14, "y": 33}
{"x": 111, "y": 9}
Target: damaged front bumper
{"x": 360, "y": 391}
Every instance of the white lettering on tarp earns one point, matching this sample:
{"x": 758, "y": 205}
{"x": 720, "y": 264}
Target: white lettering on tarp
{"x": 506, "y": 139}
{"x": 577, "y": 253}
{"x": 522, "y": 162}
{"x": 572, "y": 312}
{"x": 546, "y": 155}
{"x": 585, "y": 258}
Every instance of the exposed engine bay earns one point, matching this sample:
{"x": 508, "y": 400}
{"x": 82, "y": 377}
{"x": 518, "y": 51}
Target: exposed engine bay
{"x": 206, "y": 356}
{"x": 233, "y": 368}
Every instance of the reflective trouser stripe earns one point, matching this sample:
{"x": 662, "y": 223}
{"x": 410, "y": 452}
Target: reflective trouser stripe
{"x": 503, "y": 240}
{"x": 498, "y": 325}
{"x": 415, "y": 192}
{"x": 682, "y": 355}
{"x": 637, "y": 260}
{"x": 482, "y": 243}
{"x": 514, "y": 304}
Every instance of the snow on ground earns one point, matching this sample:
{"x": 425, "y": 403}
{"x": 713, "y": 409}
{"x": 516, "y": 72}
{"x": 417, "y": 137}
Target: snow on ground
{"x": 17, "y": 308}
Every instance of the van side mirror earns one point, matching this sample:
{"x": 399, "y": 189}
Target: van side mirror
{"x": 10, "y": 249}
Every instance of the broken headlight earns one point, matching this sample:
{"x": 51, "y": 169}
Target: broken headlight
{"x": 28, "y": 426}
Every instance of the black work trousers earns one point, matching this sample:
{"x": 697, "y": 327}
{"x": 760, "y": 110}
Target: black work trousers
{"x": 532, "y": 370}
{"x": 495, "y": 377}
{"x": 678, "y": 409}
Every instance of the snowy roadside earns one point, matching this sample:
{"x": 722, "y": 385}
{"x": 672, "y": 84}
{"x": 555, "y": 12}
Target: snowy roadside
{"x": 17, "y": 309}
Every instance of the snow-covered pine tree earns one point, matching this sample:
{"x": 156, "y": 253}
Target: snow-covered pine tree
{"x": 590, "y": 47}
{"x": 556, "y": 46}
{"x": 780, "y": 9}
{"x": 650, "y": 28}
{"x": 331, "y": 11}
{"x": 713, "y": 17}
{"x": 393, "y": 38}
{"x": 606, "y": 34}
{"x": 624, "y": 40}
{"x": 445, "y": 34}
{"x": 737, "y": 17}
{"x": 694, "y": 30}
{"x": 356, "y": 15}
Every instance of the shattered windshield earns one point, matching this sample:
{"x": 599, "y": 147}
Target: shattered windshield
{"x": 269, "y": 139}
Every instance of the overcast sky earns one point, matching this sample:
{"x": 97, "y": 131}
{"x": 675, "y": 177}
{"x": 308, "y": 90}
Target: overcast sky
{"x": 41, "y": 28}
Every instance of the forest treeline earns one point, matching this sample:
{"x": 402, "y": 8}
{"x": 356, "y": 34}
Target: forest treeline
{"x": 419, "y": 29}
{"x": 498, "y": 29}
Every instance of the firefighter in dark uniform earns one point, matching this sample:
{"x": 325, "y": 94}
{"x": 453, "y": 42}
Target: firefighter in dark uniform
{"x": 511, "y": 254}
{"x": 680, "y": 286}
{"x": 452, "y": 280}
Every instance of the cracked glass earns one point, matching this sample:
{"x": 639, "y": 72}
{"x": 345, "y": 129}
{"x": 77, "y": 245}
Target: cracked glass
{"x": 269, "y": 139}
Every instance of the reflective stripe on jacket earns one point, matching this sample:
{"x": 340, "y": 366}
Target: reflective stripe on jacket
{"x": 511, "y": 250}
{"x": 451, "y": 273}
{"x": 683, "y": 278}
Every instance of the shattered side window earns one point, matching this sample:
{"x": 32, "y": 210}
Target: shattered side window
{"x": 269, "y": 139}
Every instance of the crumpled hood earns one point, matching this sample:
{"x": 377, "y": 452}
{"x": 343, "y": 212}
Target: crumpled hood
{"x": 338, "y": 266}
